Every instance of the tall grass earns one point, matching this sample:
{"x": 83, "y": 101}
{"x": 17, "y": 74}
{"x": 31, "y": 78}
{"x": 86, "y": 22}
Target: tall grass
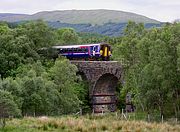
{"x": 86, "y": 123}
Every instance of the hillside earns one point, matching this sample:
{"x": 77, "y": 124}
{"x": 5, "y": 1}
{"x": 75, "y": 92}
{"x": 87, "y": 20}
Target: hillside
{"x": 10, "y": 17}
{"x": 177, "y": 20}
{"x": 98, "y": 17}
{"x": 108, "y": 29}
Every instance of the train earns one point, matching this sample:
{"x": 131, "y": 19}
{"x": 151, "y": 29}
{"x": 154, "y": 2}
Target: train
{"x": 90, "y": 52}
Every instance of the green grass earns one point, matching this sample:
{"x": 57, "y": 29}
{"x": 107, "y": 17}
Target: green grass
{"x": 86, "y": 123}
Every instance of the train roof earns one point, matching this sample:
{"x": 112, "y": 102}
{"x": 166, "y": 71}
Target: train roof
{"x": 76, "y": 46}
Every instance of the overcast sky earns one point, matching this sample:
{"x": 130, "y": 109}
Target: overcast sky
{"x": 162, "y": 10}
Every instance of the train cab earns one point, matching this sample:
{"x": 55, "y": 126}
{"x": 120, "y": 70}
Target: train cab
{"x": 105, "y": 52}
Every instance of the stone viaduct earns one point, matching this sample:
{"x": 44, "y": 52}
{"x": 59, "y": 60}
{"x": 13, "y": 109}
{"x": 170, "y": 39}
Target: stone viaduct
{"x": 103, "y": 77}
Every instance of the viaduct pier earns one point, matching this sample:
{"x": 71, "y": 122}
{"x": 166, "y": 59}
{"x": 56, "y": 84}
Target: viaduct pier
{"x": 103, "y": 77}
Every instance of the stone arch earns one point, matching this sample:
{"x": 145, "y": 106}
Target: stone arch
{"x": 103, "y": 94}
{"x": 96, "y": 73}
{"x": 106, "y": 83}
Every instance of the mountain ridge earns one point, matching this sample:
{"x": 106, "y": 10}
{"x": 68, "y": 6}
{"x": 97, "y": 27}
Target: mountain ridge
{"x": 99, "y": 17}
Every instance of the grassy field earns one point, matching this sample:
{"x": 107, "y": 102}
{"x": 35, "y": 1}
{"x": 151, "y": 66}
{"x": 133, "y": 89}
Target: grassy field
{"x": 85, "y": 124}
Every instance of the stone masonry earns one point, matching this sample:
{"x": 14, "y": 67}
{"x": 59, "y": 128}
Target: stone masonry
{"x": 103, "y": 77}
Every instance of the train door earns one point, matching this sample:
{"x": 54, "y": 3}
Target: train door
{"x": 94, "y": 51}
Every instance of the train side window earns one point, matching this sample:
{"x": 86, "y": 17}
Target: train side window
{"x": 84, "y": 50}
{"x": 97, "y": 48}
{"x": 61, "y": 51}
{"x": 70, "y": 50}
{"x": 79, "y": 50}
{"x": 75, "y": 49}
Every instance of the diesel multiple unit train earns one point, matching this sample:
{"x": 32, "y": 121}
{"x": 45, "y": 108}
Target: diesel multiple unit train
{"x": 100, "y": 51}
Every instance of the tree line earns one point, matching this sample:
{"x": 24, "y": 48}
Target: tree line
{"x": 33, "y": 85}
{"x": 151, "y": 60}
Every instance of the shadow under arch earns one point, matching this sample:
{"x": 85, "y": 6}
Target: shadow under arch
{"x": 104, "y": 94}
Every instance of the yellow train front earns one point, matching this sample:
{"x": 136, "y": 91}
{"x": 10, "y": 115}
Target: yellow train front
{"x": 91, "y": 52}
{"x": 105, "y": 52}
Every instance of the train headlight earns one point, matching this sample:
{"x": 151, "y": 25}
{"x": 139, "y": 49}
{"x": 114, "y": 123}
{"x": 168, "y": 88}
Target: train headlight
{"x": 101, "y": 52}
{"x": 109, "y": 53}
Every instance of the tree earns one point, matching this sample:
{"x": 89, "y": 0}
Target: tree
{"x": 38, "y": 32}
{"x": 49, "y": 92}
{"x": 81, "y": 89}
{"x": 126, "y": 52}
{"x": 21, "y": 44}
{"x": 158, "y": 69}
{"x": 4, "y": 29}
{"x": 150, "y": 59}
{"x": 38, "y": 91}
{"x": 14, "y": 87}
{"x": 63, "y": 73}
{"x": 68, "y": 36}
{"x": 7, "y": 107}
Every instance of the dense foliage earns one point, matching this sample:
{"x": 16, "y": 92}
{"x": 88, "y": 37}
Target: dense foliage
{"x": 151, "y": 64}
{"x": 32, "y": 84}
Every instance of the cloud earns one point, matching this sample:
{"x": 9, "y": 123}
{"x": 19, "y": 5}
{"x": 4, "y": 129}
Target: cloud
{"x": 30, "y": 6}
{"x": 163, "y": 10}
